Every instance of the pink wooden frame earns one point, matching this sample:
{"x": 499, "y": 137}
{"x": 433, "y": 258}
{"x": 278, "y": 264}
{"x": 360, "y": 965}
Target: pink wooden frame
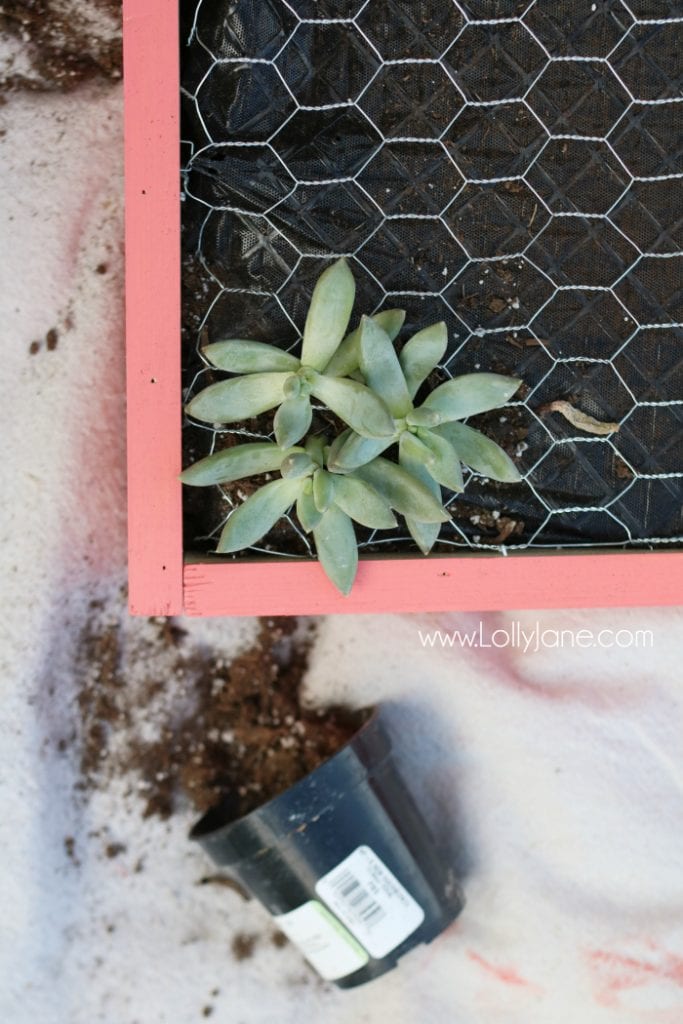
{"x": 161, "y": 581}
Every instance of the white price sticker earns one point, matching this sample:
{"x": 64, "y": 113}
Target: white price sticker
{"x": 370, "y": 901}
{"x": 324, "y": 942}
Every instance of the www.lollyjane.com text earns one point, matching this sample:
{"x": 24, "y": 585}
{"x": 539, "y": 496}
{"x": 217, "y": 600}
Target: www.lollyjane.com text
{"x": 530, "y": 638}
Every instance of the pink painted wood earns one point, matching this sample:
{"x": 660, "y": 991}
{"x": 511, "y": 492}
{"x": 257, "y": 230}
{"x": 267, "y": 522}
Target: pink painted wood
{"x": 151, "y": 92}
{"x": 472, "y": 582}
{"x": 159, "y": 582}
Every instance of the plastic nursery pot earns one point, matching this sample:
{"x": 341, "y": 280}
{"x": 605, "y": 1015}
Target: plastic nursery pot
{"x": 343, "y": 860}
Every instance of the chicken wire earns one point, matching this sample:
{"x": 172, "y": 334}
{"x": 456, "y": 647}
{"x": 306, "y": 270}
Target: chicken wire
{"x": 510, "y": 167}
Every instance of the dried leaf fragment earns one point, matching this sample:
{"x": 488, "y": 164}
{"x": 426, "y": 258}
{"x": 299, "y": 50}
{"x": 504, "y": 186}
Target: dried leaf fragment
{"x": 579, "y": 419}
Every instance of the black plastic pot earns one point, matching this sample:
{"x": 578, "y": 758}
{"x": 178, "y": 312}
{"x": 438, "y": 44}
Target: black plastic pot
{"x": 343, "y": 860}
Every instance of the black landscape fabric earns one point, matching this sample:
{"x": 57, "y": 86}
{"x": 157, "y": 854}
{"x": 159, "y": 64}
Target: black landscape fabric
{"x": 512, "y": 168}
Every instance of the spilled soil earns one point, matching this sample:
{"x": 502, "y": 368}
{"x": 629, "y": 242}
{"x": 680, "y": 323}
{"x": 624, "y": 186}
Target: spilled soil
{"x": 185, "y": 728}
{"x": 60, "y": 44}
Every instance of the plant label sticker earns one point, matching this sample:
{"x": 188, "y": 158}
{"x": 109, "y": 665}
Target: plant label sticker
{"x": 370, "y": 901}
{"x": 324, "y": 942}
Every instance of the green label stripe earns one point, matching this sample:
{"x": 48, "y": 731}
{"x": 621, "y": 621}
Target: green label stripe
{"x": 341, "y": 931}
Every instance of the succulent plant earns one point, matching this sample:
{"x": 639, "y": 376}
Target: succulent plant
{"x": 431, "y": 442}
{"x": 326, "y": 503}
{"x": 272, "y": 378}
{"x": 359, "y": 377}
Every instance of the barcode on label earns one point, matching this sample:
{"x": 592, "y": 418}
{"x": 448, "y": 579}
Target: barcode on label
{"x": 368, "y": 898}
{"x": 361, "y": 902}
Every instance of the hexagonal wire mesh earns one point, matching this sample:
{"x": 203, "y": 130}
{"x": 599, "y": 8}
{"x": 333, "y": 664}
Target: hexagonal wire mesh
{"x": 510, "y": 166}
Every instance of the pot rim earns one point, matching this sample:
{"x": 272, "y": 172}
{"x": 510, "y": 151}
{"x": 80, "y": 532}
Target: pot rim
{"x": 364, "y": 753}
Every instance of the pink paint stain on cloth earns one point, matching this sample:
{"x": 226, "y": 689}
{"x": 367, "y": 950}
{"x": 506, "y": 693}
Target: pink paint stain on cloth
{"x": 506, "y": 975}
{"x": 616, "y": 973}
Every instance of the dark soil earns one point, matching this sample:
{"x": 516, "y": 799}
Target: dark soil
{"x": 51, "y": 342}
{"x": 234, "y": 730}
{"x": 243, "y": 945}
{"x": 64, "y": 49}
{"x": 114, "y": 849}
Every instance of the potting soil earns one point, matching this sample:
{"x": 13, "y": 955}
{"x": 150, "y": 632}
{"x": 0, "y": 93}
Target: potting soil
{"x": 60, "y": 44}
{"x": 512, "y": 168}
{"x": 190, "y": 730}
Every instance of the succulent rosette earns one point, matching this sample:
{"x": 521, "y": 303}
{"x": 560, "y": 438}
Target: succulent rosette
{"x": 332, "y": 483}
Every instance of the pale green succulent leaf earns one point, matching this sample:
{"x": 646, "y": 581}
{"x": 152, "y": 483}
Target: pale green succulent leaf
{"x": 402, "y": 491}
{"x": 345, "y": 360}
{"x": 347, "y": 357}
{"x": 292, "y": 386}
{"x": 336, "y": 446}
{"x": 421, "y": 354}
{"x": 233, "y": 464}
{"x": 335, "y": 543}
{"x": 470, "y": 394}
{"x": 424, "y": 534}
{"x": 315, "y": 446}
{"x": 240, "y": 398}
{"x": 356, "y": 451}
{"x": 323, "y": 489}
{"x": 362, "y": 502}
{"x": 390, "y": 320}
{"x": 328, "y": 315}
{"x": 297, "y": 464}
{"x": 423, "y": 418}
{"x": 241, "y": 356}
{"x": 418, "y": 449}
{"x": 292, "y": 420}
{"x": 480, "y": 453}
{"x": 355, "y": 404}
{"x": 381, "y": 368}
{"x": 258, "y": 514}
{"x": 306, "y": 512}
{"x": 444, "y": 465}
